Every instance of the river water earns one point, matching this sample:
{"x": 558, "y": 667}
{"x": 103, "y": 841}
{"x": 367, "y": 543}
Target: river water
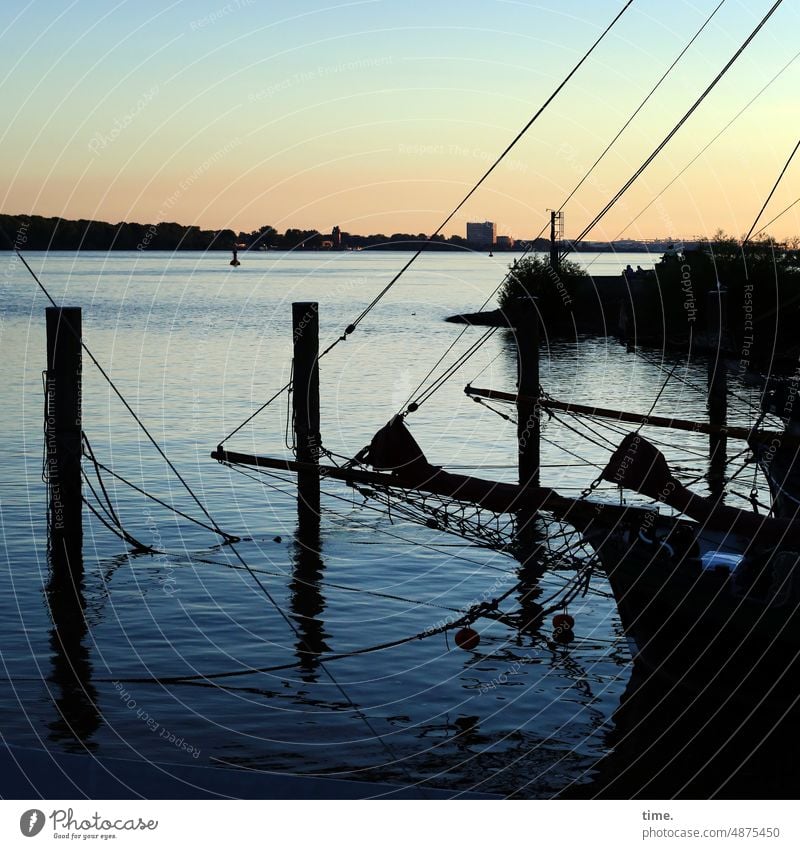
{"x": 195, "y": 346}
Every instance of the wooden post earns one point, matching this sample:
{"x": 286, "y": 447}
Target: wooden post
{"x": 63, "y": 437}
{"x": 305, "y": 406}
{"x": 526, "y": 335}
{"x": 717, "y": 392}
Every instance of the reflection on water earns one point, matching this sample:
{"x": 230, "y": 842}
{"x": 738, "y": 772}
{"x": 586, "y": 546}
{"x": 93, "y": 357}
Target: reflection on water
{"x": 307, "y": 601}
{"x": 76, "y": 712}
{"x": 672, "y": 742}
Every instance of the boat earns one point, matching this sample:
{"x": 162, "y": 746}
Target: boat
{"x": 714, "y": 602}
{"x": 713, "y": 596}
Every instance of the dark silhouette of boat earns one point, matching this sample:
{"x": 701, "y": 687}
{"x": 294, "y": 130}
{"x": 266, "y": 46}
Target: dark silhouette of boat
{"x": 701, "y": 607}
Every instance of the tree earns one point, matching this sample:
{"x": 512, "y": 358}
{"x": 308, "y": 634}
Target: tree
{"x": 762, "y": 281}
{"x": 533, "y": 276}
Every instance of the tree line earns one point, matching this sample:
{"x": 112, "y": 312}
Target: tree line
{"x": 38, "y": 233}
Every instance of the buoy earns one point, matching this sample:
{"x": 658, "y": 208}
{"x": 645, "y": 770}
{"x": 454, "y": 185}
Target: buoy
{"x": 564, "y": 635}
{"x": 563, "y": 622}
{"x": 235, "y": 261}
{"x": 468, "y": 639}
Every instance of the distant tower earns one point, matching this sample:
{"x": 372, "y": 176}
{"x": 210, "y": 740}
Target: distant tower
{"x": 481, "y": 234}
{"x": 556, "y": 235}
{"x": 336, "y": 238}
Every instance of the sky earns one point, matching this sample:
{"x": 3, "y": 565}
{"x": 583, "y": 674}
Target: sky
{"x": 379, "y": 115}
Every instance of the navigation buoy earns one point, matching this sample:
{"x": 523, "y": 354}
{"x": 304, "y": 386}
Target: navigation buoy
{"x": 468, "y": 639}
{"x": 563, "y": 622}
{"x": 235, "y": 260}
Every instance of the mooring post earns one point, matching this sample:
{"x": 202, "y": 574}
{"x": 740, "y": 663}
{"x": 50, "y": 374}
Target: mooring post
{"x": 305, "y": 406}
{"x": 63, "y": 437}
{"x": 717, "y": 391}
{"x": 526, "y": 334}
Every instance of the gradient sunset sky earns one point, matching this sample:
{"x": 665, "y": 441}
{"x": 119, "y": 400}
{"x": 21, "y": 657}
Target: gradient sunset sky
{"x": 378, "y": 115}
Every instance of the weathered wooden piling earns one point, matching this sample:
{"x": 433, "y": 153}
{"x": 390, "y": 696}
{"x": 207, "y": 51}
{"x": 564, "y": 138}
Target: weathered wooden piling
{"x": 63, "y": 437}
{"x": 305, "y": 406}
{"x": 717, "y": 391}
{"x": 526, "y": 334}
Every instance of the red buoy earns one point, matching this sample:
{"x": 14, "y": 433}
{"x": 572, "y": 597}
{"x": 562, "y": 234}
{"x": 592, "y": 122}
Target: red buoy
{"x": 468, "y": 639}
{"x": 563, "y": 622}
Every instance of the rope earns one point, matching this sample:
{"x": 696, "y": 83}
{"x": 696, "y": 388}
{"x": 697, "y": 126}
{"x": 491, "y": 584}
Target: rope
{"x": 600, "y": 215}
{"x": 120, "y": 532}
{"x": 584, "y": 461}
{"x": 488, "y": 171}
{"x": 482, "y": 609}
{"x": 707, "y": 146}
{"x": 328, "y": 494}
{"x": 329, "y": 584}
{"x": 432, "y": 238}
{"x": 660, "y": 393}
{"x": 139, "y": 422}
{"x": 259, "y": 410}
{"x": 702, "y": 390}
{"x": 322, "y": 665}
{"x": 608, "y": 443}
{"x": 769, "y": 196}
{"x": 452, "y": 369}
{"x": 119, "y": 477}
{"x": 586, "y": 176}
{"x": 358, "y": 711}
{"x": 783, "y": 212}
{"x": 639, "y": 107}
{"x": 90, "y": 454}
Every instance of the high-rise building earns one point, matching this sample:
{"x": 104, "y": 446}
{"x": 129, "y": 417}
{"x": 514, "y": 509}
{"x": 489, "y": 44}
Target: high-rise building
{"x": 481, "y": 234}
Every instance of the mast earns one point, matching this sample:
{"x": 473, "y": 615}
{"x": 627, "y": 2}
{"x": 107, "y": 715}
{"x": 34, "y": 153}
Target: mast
{"x": 556, "y": 234}
{"x": 730, "y": 431}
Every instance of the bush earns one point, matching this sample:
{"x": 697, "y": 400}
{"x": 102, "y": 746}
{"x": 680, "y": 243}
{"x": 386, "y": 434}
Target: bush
{"x": 763, "y": 285}
{"x": 533, "y": 276}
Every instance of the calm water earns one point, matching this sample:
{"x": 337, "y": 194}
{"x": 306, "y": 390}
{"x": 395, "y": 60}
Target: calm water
{"x": 196, "y": 346}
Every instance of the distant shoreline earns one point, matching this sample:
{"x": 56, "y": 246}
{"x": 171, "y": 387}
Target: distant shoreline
{"x": 283, "y": 251}
{"x": 39, "y": 233}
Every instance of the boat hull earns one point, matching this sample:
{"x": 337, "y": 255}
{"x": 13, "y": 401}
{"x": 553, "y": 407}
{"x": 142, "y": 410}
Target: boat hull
{"x": 698, "y": 607}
